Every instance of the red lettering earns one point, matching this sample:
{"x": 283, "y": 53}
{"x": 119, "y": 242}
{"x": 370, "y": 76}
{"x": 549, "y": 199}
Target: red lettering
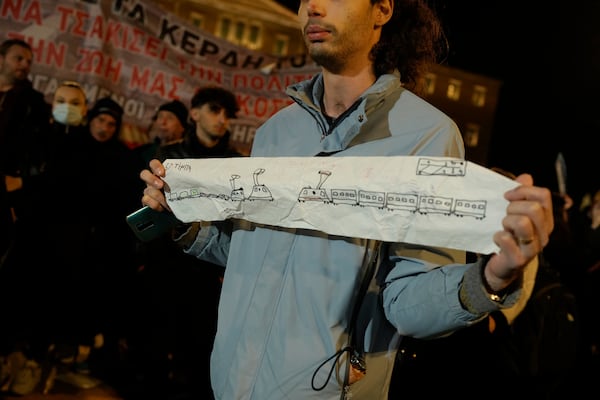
{"x": 138, "y": 35}
{"x": 79, "y": 27}
{"x": 65, "y": 13}
{"x": 112, "y": 69}
{"x": 97, "y": 28}
{"x": 33, "y": 13}
{"x": 175, "y": 82}
{"x": 12, "y": 8}
{"x": 56, "y": 54}
{"x": 139, "y": 79}
{"x": 112, "y": 34}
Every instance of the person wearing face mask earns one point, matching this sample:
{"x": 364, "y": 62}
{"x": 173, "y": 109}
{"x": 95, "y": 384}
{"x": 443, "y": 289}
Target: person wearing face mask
{"x": 69, "y": 106}
{"x": 91, "y": 250}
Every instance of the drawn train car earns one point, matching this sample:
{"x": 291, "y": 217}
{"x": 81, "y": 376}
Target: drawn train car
{"x": 402, "y": 201}
{"x": 344, "y": 196}
{"x": 435, "y": 205}
{"x": 313, "y": 194}
{"x": 471, "y": 208}
{"x": 367, "y": 198}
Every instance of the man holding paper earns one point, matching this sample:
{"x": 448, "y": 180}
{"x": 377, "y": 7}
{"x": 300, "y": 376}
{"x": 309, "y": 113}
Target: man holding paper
{"x": 308, "y": 315}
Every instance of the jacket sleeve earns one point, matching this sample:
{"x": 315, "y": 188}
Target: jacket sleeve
{"x": 208, "y": 241}
{"x": 426, "y": 288}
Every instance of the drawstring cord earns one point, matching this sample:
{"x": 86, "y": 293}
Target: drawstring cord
{"x": 356, "y": 361}
{"x": 337, "y": 356}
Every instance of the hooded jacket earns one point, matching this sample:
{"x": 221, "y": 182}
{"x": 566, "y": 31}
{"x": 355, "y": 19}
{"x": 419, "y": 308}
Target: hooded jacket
{"x": 289, "y": 295}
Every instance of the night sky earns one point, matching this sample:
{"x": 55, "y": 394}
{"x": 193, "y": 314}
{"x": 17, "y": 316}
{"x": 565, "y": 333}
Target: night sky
{"x": 549, "y": 62}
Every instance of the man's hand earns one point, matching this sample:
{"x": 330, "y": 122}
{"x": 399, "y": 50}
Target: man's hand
{"x": 154, "y": 196}
{"x": 527, "y": 227}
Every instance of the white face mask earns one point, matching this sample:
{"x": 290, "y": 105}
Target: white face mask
{"x": 67, "y": 114}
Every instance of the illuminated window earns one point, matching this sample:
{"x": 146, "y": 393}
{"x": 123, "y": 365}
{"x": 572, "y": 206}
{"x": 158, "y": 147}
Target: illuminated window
{"x": 254, "y": 37}
{"x": 240, "y": 31}
{"x": 479, "y": 95}
{"x": 238, "y": 35}
{"x": 430, "y": 83}
{"x": 281, "y": 45}
{"x": 453, "y": 90}
{"x": 471, "y": 135}
{"x": 197, "y": 19}
{"x": 224, "y": 28}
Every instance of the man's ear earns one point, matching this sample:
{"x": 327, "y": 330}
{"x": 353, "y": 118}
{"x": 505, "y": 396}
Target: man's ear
{"x": 384, "y": 11}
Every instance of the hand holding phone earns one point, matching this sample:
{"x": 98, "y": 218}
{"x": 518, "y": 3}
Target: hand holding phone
{"x": 149, "y": 224}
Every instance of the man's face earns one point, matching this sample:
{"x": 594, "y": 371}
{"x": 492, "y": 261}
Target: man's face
{"x": 340, "y": 34}
{"x": 16, "y": 64}
{"x": 211, "y": 122}
{"x": 103, "y": 127}
{"x": 169, "y": 126}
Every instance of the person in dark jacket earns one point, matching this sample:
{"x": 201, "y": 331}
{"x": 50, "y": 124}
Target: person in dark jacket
{"x": 24, "y": 143}
{"x": 169, "y": 125}
{"x": 91, "y": 249}
{"x": 177, "y": 343}
{"x": 210, "y": 111}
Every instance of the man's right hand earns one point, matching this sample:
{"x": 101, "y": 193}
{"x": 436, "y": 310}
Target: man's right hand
{"x": 154, "y": 196}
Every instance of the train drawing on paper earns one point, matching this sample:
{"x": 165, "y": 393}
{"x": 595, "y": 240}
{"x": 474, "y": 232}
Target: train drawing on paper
{"x": 391, "y": 201}
{"x": 411, "y": 202}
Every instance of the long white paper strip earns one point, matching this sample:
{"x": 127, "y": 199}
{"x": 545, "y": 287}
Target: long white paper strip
{"x": 436, "y": 201}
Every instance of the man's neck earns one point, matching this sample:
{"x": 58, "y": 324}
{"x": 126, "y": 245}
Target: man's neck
{"x": 342, "y": 90}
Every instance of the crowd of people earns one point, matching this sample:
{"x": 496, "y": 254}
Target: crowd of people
{"x": 82, "y": 294}
{"x": 235, "y": 309}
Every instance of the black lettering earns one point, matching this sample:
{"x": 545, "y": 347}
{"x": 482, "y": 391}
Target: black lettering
{"x": 230, "y": 59}
{"x": 188, "y": 41}
{"x": 255, "y": 63}
{"x": 166, "y": 30}
{"x": 208, "y": 48}
{"x": 137, "y": 13}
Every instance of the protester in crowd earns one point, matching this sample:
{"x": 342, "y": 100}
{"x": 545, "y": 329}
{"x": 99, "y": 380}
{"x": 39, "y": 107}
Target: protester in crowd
{"x": 168, "y": 125}
{"x": 24, "y": 140}
{"x": 90, "y": 248}
{"x": 286, "y": 308}
{"x": 587, "y": 231}
{"x": 69, "y": 107}
{"x": 176, "y": 345}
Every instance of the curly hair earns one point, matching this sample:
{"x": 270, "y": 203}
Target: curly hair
{"x": 410, "y": 42}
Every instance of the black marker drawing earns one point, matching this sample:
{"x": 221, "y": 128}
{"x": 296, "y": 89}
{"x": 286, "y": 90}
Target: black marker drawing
{"x": 309, "y": 194}
{"x": 393, "y": 201}
{"x": 259, "y": 192}
{"x": 428, "y": 166}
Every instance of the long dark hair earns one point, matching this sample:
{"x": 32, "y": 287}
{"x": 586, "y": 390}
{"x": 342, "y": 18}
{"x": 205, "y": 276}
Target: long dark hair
{"x": 410, "y": 42}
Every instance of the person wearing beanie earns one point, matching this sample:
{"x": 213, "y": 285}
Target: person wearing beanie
{"x": 105, "y": 119}
{"x": 195, "y": 285}
{"x": 171, "y": 121}
{"x": 168, "y": 126}
{"x": 91, "y": 247}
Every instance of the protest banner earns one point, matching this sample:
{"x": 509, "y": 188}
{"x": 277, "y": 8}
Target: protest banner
{"x": 142, "y": 56}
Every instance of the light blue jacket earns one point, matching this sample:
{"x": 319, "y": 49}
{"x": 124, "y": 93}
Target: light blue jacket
{"x": 288, "y": 294}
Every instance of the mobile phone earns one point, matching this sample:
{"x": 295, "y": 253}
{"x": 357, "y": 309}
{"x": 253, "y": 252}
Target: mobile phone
{"x": 149, "y": 224}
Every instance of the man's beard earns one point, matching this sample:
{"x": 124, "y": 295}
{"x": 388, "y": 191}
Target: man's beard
{"x": 327, "y": 60}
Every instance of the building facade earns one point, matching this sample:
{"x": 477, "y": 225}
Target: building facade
{"x": 266, "y": 26}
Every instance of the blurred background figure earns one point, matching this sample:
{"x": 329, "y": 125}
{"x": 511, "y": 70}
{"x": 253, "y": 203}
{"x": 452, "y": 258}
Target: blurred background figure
{"x": 173, "y": 344}
{"x": 24, "y": 144}
{"x": 587, "y": 224}
{"x": 168, "y": 126}
{"x": 90, "y": 248}
{"x": 69, "y": 107}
